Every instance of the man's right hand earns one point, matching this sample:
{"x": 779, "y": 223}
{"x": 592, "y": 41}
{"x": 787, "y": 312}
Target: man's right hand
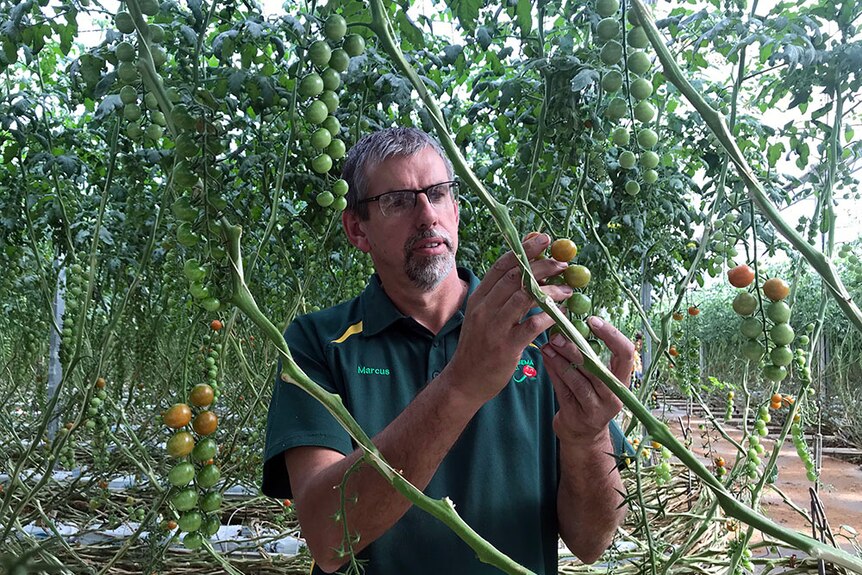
{"x": 495, "y": 333}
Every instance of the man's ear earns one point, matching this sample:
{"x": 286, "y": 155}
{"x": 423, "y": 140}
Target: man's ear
{"x": 354, "y": 227}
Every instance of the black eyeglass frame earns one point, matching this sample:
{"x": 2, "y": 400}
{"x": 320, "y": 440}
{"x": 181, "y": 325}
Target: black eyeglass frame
{"x": 453, "y": 192}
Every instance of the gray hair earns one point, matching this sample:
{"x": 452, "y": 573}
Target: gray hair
{"x": 375, "y": 148}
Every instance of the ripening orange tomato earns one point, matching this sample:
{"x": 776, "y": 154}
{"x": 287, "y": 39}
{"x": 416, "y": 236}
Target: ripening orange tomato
{"x": 741, "y": 276}
{"x": 179, "y": 415}
{"x": 216, "y": 325}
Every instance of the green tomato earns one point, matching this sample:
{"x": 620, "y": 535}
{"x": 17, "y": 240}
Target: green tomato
{"x": 606, "y": 8}
{"x": 127, "y": 72}
{"x": 650, "y": 176}
{"x": 577, "y": 276}
{"x": 183, "y": 209}
{"x": 332, "y": 124}
{"x": 340, "y": 188}
{"x": 193, "y": 540}
{"x": 335, "y": 28}
{"x": 644, "y": 111}
{"x": 132, "y": 112}
{"x": 774, "y": 372}
{"x": 582, "y": 327}
{"x": 185, "y": 500}
{"x": 751, "y": 327}
{"x": 616, "y": 109}
{"x": 637, "y": 38}
{"x": 627, "y": 160}
{"x": 781, "y": 355}
{"x": 211, "y": 501}
{"x": 124, "y": 22}
{"x": 354, "y": 45}
{"x": 782, "y": 334}
{"x": 744, "y": 303}
{"x": 211, "y": 304}
{"x": 316, "y": 112}
{"x": 321, "y": 163}
{"x": 612, "y": 81}
{"x": 208, "y": 476}
{"x": 640, "y": 89}
{"x": 638, "y": 63}
{"x": 321, "y": 138}
{"x": 331, "y": 79}
{"x": 620, "y": 136}
{"x": 608, "y": 29}
{"x": 339, "y": 61}
{"x": 778, "y": 312}
{"x": 128, "y": 95}
{"x": 579, "y": 303}
{"x": 752, "y": 350}
{"x": 181, "y": 474}
{"x": 632, "y": 187}
{"x": 205, "y": 449}
{"x": 336, "y": 149}
{"x": 647, "y": 138}
{"x": 329, "y": 98}
{"x": 649, "y": 160}
{"x": 190, "y": 521}
{"x": 211, "y": 526}
{"x": 311, "y": 85}
{"x": 319, "y": 53}
{"x": 339, "y": 204}
{"x": 125, "y": 52}
{"x": 186, "y": 237}
{"x": 611, "y": 53}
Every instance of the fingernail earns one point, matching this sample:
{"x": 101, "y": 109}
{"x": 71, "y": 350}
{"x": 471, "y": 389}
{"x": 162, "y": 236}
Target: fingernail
{"x": 549, "y": 351}
{"x": 596, "y": 321}
{"x": 546, "y": 239}
{"x": 558, "y": 340}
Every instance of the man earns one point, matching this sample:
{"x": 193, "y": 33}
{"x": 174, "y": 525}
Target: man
{"x": 450, "y": 377}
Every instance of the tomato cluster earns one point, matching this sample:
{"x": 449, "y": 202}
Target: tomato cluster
{"x": 76, "y": 287}
{"x": 327, "y": 58}
{"x": 577, "y": 277}
{"x": 194, "y": 477}
{"x": 780, "y": 334}
{"x": 632, "y": 64}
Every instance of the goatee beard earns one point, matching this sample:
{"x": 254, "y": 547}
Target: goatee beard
{"x": 426, "y": 272}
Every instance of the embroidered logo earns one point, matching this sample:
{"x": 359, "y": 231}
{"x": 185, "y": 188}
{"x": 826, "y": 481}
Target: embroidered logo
{"x": 365, "y": 370}
{"x": 525, "y": 370}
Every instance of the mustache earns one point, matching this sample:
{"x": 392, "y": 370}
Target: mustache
{"x": 426, "y": 234}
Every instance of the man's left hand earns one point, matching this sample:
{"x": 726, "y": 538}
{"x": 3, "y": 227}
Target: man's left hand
{"x": 586, "y": 404}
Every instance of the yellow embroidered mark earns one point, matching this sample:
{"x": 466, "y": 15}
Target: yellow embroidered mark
{"x": 534, "y": 345}
{"x": 352, "y": 330}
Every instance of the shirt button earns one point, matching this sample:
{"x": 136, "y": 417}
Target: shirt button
{"x": 436, "y": 343}
{"x": 435, "y": 374}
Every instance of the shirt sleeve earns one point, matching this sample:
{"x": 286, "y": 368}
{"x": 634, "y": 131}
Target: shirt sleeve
{"x": 295, "y": 418}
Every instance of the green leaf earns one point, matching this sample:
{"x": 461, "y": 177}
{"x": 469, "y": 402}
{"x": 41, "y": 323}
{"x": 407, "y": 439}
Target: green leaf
{"x": 524, "y": 17}
{"x": 409, "y": 31}
{"x": 467, "y": 12}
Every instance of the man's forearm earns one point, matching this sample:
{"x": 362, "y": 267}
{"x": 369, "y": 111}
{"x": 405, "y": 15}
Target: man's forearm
{"x": 589, "y": 501}
{"x": 414, "y": 444}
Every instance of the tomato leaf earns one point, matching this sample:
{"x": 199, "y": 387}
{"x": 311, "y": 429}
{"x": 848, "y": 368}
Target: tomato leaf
{"x": 524, "y": 17}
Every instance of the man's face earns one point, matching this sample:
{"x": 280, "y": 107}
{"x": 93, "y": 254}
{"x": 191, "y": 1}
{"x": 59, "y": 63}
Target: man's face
{"x": 419, "y": 245}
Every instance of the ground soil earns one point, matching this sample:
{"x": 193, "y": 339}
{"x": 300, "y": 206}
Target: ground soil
{"x": 840, "y": 490}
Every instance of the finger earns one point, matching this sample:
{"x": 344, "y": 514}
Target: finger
{"x": 530, "y": 328}
{"x": 566, "y": 349}
{"x": 621, "y": 348}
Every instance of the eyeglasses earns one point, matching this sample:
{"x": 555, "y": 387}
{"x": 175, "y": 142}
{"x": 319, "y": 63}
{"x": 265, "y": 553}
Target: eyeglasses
{"x": 402, "y": 202}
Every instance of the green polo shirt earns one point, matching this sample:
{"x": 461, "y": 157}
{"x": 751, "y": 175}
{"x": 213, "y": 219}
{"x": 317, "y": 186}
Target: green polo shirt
{"x": 502, "y": 473}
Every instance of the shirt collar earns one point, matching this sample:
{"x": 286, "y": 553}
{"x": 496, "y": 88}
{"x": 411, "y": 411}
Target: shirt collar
{"x": 378, "y": 311}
